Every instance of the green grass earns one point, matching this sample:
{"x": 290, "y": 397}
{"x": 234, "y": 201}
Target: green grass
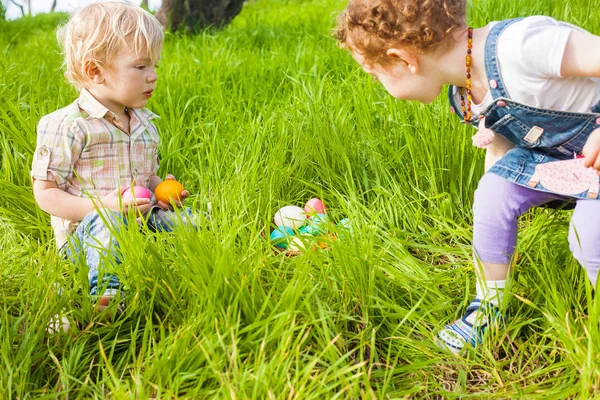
{"x": 266, "y": 113}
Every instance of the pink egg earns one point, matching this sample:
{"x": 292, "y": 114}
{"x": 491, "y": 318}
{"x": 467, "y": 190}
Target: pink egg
{"x": 314, "y": 206}
{"x": 138, "y": 192}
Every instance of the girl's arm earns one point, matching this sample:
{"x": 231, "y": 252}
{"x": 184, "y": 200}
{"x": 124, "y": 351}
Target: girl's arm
{"x": 496, "y": 150}
{"x": 581, "y": 56}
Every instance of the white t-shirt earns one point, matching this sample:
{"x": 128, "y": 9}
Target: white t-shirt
{"x": 530, "y": 54}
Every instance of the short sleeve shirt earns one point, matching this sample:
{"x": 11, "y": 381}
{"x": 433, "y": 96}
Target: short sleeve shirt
{"x": 81, "y": 148}
{"x": 530, "y": 54}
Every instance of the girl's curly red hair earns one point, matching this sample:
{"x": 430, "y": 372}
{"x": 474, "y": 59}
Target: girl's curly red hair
{"x": 371, "y": 27}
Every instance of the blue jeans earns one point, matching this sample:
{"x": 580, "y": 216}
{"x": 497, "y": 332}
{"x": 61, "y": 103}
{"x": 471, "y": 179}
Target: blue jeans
{"x": 96, "y": 239}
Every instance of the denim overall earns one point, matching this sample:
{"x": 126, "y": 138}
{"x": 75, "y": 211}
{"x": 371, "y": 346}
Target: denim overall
{"x": 540, "y": 136}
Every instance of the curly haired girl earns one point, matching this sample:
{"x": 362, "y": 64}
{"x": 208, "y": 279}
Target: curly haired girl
{"x": 531, "y": 87}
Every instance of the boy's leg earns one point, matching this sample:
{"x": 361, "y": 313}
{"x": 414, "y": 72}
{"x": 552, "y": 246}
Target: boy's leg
{"x": 584, "y": 236}
{"x": 94, "y": 239}
{"x": 160, "y": 220}
{"x": 497, "y": 207}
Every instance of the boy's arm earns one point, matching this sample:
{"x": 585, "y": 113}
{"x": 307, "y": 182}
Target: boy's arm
{"x": 59, "y": 203}
{"x": 496, "y": 150}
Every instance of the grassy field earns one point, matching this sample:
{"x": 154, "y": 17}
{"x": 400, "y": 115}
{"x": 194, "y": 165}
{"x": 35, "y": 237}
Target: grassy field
{"x": 267, "y": 113}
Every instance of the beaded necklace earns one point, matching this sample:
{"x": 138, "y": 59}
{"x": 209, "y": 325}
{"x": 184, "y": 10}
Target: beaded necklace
{"x": 466, "y": 105}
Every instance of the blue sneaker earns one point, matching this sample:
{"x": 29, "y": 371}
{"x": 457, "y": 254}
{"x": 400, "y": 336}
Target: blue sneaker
{"x": 470, "y": 328}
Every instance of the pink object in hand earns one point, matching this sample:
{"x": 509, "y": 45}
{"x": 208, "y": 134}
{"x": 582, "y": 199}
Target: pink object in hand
{"x": 313, "y": 207}
{"x": 484, "y": 137}
{"x": 137, "y": 192}
{"x": 567, "y": 177}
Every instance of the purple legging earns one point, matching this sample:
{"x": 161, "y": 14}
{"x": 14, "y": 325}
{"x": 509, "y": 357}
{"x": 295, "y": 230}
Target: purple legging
{"x": 497, "y": 207}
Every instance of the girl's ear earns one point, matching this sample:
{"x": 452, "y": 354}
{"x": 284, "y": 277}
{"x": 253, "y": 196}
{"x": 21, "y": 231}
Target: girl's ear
{"x": 407, "y": 58}
{"x": 94, "y": 72}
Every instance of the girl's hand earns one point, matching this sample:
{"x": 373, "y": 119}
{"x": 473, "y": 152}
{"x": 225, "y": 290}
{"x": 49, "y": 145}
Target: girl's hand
{"x": 114, "y": 201}
{"x": 179, "y": 203}
{"x": 591, "y": 151}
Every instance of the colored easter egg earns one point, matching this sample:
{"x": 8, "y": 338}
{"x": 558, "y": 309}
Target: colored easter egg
{"x": 168, "y": 190}
{"x": 290, "y": 216}
{"x": 309, "y": 229}
{"x": 137, "y": 192}
{"x": 319, "y": 223}
{"x": 314, "y": 206}
{"x": 281, "y": 236}
{"x": 296, "y": 245}
{"x": 345, "y": 225}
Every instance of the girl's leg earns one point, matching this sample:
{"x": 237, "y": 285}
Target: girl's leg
{"x": 94, "y": 239}
{"x": 584, "y": 236}
{"x": 497, "y": 207}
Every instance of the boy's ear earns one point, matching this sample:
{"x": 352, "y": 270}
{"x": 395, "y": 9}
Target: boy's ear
{"x": 407, "y": 58}
{"x": 94, "y": 72}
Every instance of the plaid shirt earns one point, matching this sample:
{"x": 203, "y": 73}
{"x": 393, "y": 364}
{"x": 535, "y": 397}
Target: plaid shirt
{"x": 81, "y": 148}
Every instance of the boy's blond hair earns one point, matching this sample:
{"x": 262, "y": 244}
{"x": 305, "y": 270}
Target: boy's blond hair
{"x": 98, "y": 32}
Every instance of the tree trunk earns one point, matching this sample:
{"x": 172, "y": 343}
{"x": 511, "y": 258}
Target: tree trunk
{"x": 53, "y": 6}
{"x": 28, "y": 2}
{"x": 194, "y": 15}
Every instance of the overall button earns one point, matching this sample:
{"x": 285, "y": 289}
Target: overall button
{"x": 501, "y": 103}
{"x": 493, "y": 84}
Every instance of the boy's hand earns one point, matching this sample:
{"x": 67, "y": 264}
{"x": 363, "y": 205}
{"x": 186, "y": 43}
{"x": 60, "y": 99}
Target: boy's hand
{"x": 179, "y": 203}
{"x": 591, "y": 151}
{"x": 114, "y": 201}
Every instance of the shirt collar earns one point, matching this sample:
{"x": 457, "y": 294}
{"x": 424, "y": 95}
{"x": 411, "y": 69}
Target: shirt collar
{"x": 89, "y": 104}
{"x": 95, "y": 109}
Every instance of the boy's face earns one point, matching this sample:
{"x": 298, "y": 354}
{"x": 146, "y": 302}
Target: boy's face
{"x": 128, "y": 82}
{"x": 402, "y": 80}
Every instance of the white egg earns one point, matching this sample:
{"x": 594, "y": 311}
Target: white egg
{"x": 58, "y": 324}
{"x": 290, "y": 216}
{"x": 297, "y": 245}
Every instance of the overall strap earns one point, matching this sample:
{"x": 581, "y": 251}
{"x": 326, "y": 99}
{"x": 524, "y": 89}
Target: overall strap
{"x": 495, "y": 82}
{"x": 492, "y": 68}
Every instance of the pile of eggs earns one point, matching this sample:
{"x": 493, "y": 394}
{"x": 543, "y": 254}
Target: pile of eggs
{"x": 296, "y": 226}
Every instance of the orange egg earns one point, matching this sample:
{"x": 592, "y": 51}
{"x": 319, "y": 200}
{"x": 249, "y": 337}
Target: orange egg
{"x": 168, "y": 190}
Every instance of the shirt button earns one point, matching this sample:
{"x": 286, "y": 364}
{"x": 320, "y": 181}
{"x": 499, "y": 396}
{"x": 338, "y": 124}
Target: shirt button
{"x": 135, "y": 172}
{"x": 501, "y": 103}
{"x": 44, "y": 151}
{"x": 493, "y": 84}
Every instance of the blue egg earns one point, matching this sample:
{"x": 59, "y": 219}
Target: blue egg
{"x": 281, "y": 236}
{"x": 308, "y": 230}
{"x": 319, "y": 223}
{"x": 345, "y": 225}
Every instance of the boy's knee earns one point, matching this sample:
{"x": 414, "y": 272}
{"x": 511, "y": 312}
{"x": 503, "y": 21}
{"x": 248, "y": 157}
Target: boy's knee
{"x": 104, "y": 217}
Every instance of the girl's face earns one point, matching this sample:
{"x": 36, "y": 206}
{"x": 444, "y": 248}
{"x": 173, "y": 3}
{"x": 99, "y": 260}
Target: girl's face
{"x": 404, "y": 79}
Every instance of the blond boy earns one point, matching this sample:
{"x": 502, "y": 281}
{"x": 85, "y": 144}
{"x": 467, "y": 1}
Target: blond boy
{"x": 104, "y": 142}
